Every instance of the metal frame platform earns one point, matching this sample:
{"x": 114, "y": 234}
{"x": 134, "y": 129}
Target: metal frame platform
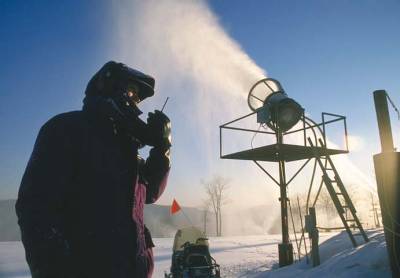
{"x": 278, "y": 152}
{"x": 281, "y": 151}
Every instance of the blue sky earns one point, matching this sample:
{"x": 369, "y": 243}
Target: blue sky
{"x": 329, "y": 56}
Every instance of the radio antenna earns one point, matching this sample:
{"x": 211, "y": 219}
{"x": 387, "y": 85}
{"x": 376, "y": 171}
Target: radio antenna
{"x": 165, "y": 103}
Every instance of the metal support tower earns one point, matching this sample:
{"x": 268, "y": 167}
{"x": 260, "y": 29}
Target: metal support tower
{"x": 282, "y": 153}
{"x": 285, "y": 248}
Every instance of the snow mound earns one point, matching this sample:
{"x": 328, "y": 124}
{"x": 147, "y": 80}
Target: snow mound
{"x": 340, "y": 259}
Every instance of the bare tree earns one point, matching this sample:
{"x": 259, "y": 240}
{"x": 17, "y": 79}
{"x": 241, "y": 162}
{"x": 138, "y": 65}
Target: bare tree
{"x": 216, "y": 194}
{"x": 374, "y": 209}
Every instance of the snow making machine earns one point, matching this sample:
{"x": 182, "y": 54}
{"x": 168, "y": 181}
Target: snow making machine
{"x": 191, "y": 256}
{"x": 285, "y": 135}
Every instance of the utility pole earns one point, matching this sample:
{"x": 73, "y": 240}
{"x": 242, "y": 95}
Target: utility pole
{"x": 387, "y": 172}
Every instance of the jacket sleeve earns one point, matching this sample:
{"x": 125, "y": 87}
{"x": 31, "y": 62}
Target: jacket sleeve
{"x": 154, "y": 172}
{"x": 41, "y": 198}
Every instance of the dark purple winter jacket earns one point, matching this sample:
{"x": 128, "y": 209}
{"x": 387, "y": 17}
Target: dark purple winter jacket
{"x": 80, "y": 204}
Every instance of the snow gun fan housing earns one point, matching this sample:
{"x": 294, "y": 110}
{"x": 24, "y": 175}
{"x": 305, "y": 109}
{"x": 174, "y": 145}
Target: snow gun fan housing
{"x": 274, "y": 108}
{"x": 279, "y": 111}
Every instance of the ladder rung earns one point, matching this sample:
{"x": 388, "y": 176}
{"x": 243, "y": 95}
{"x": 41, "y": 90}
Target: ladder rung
{"x": 339, "y": 193}
{"x": 329, "y": 169}
{"x": 350, "y": 220}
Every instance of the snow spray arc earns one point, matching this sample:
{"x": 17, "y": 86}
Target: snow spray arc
{"x": 183, "y": 44}
{"x": 204, "y": 71}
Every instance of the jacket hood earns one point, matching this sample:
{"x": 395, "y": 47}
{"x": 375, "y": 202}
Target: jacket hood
{"x": 114, "y": 78}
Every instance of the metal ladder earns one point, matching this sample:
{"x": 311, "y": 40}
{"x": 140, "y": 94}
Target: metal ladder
{"x": 339, "y": 195}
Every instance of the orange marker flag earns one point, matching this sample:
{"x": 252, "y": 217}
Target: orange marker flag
{"x": 175, "y": 207}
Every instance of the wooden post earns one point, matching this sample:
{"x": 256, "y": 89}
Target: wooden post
{"x": 387, "y": 172}
{"x": 382, "y": 114}
{"x": 311, "y": 228}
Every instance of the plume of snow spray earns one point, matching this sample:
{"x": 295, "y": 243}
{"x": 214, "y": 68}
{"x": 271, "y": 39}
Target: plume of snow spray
{"x": 207, "y": 75}
{"x": 183, "y": 39}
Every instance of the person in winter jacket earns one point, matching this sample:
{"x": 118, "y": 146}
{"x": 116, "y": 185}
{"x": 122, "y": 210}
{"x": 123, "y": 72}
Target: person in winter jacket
{"x": 81, "y": 199}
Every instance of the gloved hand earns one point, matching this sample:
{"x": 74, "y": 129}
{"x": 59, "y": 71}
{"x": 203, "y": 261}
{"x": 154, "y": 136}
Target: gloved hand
{"x": 159, "y": 126}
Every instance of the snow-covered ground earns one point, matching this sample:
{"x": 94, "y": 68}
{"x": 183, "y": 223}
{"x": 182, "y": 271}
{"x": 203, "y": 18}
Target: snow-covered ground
{"x": 339, "y": 259}
{"x": 253, "y": 256}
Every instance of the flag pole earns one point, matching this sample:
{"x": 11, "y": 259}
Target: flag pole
{"x": 187, "y": 218}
